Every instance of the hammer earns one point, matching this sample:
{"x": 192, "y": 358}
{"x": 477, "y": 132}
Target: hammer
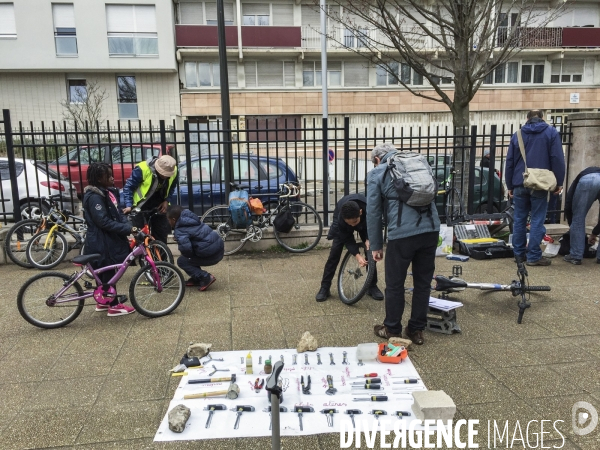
{"x": 231, "y": 393}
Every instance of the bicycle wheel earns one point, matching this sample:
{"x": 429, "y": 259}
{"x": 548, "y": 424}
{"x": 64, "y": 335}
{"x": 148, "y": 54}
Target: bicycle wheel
{"x": 306, "y": 232}
{"x": 17, "y": 239}
{"x": 354, "y": 280}
{"x": 219, "y": 219}
{"x": 147, "y": 300}
{"x": 454, "y": 208}
{"x": 37, "y": 306}
{"x": 159, "y": 251}
{"x": 45, "y": 250}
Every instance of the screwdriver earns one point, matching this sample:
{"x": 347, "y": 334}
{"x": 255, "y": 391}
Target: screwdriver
{"x": 407, "y": 381}
{"x": 368, "y": 386}
{"x": 369, "y": 381}
{"x": 401, "y": 413}
{"x": 300, "y": 410}
{"x": 372, "y": 398}
{"x": 212, "y": 409}
{"x": 352, "y": 412}
{"x": 366, "y": 375}
{"x": 377, "y": 413}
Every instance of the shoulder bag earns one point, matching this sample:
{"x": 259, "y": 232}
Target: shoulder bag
{"x": 536, "y": 179}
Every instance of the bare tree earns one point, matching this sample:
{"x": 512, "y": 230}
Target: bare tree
{"x": 84, "y": 108}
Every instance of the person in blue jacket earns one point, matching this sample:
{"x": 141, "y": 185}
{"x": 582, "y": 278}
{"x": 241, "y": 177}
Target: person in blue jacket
{"x": 107, "y": 230}
{"x": 198, "y": 243}
{"x": 543, "y": 150}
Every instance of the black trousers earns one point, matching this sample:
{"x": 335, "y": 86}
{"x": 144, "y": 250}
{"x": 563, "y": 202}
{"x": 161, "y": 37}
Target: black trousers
{"x": 158, "y": 223}
{"x": 193, "y": 266}
{"x": 420, "y": 251}
{"x": 335, "y": 254}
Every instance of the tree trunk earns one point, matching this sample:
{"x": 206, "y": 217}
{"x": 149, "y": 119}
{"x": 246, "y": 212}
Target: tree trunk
{"x": 462, "y": 145}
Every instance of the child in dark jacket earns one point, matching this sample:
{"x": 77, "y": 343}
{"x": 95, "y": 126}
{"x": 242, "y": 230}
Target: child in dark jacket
{"x": 107, "y": 230}
{"x": 198, "y": 243}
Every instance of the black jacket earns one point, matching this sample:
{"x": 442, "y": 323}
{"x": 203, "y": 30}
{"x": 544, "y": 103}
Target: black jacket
{"x": 571, "y": 194}
{"x": 340, "y": 230}
{"x": 107, "y": 229}
{"x": 195, "y": 238}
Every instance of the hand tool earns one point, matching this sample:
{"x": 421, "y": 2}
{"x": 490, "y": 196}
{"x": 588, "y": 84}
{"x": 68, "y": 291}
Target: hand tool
{"x": 372, "y": 398}
{"x": 400, "y": 414}
{"x": 331, "y": 390}
{"x": 217, "y": 370}
{"x": 366, "y": 375}
{"x": 360, "y": 363}
{"x": 210, "y": 358}
{"x": 305, "y": 389}
{"x": 345, "y": 360}
{"x": 352, "y": 412}
{"x": 240, "y": 409}
{"x": 306, "y": 359}
{"x": 212, "y": 409}
{"x": 211, "y": 380}
{"x": 367, "y": 381}
{"x": 258, "y": 386}
{"x": 260, "y": 359}
{"x": 243, "y": 360}
{"x": 275, "y": 390}
{"x": 268, "y": 409}
{"x": 231, "y": 393}
{"x": 281, "y": 359}
{"x": 331, "y": 362}
{"x": 377, "y": 413}
{"x": 368, "y": 386}
{"x": 330, "y": 413}
{"x": 319, "y": 359}
{"x": 406, "y": 381}
{"x": 300, "y": 410}
{"x": 294, "y": 358}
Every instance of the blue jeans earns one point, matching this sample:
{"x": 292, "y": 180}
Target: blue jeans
{"x": 587, "y": 192}
{"x": 528, "y": 201}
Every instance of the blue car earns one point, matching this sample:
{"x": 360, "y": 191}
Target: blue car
{"x": 261, "y": 174}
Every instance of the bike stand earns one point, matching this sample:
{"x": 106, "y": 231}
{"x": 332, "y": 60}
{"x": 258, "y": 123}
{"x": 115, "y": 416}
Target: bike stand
{"x": 442, "y": 321}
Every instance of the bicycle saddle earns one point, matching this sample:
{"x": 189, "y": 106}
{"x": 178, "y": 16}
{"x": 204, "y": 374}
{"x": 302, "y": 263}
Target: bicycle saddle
{"x": 446, "y": 284}
{"x": 84, "y": 259}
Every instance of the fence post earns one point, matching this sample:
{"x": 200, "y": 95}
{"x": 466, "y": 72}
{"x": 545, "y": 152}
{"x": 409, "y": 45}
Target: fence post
{"x": 325, "y": 174}
{"x": 163, "y": 137}
{"x": 12, "y": 170}
{"x": 347, "y": 155}
{"x": 188, "y": 165}
{"x": 492, "y": 173}
{"x": 471, "y": 186}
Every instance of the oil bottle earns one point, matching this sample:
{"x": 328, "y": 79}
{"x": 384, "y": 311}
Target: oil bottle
{"x": 249, "y": 363}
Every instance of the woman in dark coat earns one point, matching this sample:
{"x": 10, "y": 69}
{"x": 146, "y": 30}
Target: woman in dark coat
{"x": 107, "y": 230}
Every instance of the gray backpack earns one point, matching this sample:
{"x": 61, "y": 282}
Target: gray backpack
{"x": 413, "y": 181}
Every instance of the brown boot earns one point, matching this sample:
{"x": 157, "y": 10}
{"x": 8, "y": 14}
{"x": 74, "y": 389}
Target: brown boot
{"x": 415, "y": 336}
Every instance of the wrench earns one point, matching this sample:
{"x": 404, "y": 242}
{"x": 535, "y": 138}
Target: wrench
{"x": 331, "y": 390}
{"x": 294, "y": 357}
{"x": 345, "y": 360}
{"x": 217, "y": 370}
{"x": 331, "y": 362}
{"x": 210, "y": 358}
{"x": 319, "y": 359}
{"x": 306, "y": 359}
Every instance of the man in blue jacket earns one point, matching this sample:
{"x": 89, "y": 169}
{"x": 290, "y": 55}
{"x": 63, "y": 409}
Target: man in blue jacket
{"x": 413, "y": 240}
{"x": 543, "y": 150}
{"x": 198, "y": 243}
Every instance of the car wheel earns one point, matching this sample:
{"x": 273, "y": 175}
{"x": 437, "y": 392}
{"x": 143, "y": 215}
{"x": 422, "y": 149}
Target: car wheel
{"x": 32, "y": 210}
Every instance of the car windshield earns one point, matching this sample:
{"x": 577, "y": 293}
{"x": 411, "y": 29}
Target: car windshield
{"x": 48, "y": 171}
{"x": 84, "y": 155}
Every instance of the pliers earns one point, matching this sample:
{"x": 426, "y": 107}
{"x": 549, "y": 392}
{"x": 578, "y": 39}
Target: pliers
{"x": 305, "y": 389}
{"x": 258, "y": 386}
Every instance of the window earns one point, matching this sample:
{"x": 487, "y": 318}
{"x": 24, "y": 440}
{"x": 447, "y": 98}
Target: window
{"x": 270, "y": 73}
{"x": 202, "y": 171}
{"x": 77, "y": 91}
{"x": 211, "y": 13}
{"x": 356, "y": 38}
{"x": 532, "y": 69}
{"x": 356, "y": 73}
{"x": 402, "y": 72}
{"x": 127, "y": 97}
{"x": 503, "y": 73}
{"x": 65, "y": 36}
{"x": 8, "y": 26}
{"x": 131, "y": 30}
{"x": 256, "y": 14}
{"x": 311, "y": 73}
{"x": 208, "y": 74}
{"x": 243, "y": 169}
{"x": 567, "y": 71}
{"x": 271, "y": 169}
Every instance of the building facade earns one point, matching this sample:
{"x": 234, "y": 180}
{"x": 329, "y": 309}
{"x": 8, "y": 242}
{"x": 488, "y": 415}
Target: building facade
{"x": 57, "y": 52}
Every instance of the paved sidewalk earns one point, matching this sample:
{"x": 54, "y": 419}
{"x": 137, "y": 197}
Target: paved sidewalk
{"x": 103, "y": 382}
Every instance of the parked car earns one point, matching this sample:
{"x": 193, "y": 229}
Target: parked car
{"x": 122, "y": 157}
{"x": 261, "y": 174}
{"x": 34, "y": 180}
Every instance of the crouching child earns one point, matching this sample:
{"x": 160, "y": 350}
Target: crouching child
{"x": 198, "y": 243}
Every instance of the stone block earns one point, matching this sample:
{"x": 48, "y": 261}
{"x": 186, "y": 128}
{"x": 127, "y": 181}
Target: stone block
{"x": 433, "y": 405}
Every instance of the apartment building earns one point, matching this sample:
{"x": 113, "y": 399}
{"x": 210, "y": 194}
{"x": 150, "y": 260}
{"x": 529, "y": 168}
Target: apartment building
{"x": 274, "y": 67}
{"x": 52, "y": 52}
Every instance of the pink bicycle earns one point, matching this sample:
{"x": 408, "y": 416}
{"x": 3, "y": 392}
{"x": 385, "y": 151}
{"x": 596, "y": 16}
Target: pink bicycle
{"x": 155, "y": 290}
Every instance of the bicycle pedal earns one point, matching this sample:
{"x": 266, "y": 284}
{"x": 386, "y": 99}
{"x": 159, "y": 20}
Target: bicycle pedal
{"x": 87, "y": 285}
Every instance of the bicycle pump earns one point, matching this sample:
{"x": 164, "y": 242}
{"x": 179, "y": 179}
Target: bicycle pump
{"x": 275, "y": 390}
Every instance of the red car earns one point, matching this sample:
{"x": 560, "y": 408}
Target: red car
{"x": 122, "y": 157}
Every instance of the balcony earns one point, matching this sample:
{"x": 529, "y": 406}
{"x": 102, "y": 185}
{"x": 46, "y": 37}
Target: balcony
{"x": 252, "y": 36}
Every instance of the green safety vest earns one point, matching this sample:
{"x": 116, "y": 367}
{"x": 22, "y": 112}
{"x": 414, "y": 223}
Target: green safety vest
{"x": 149, "y": 183}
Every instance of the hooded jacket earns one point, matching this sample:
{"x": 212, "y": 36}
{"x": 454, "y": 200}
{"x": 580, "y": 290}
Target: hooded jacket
{"x": 379, "y": 190}
{"x": 571, "y": 194}
{"x": 543, "y": 150}
{"x": 341, "y": 230}
{"x": 195, "y": 238}
{"x": 107, "y": 229}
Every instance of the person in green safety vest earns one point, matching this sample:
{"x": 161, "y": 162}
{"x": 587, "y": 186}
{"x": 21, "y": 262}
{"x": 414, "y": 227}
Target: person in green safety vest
{"x": 148, "y": 187}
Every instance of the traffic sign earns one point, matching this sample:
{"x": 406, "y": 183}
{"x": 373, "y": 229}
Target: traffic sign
{"x": 331, "y": 155}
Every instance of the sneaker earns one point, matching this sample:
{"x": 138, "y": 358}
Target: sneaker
{"x": 206, "y": 282}
{"x": 570, "y": 259}
{"x": 543, "y": 261}
{"x": 382, "y": 332}
{"x": 193, "y": 281}
{"x": 322, "y": 295}
{"x": 415, "y": 336}
{"x": 101, "y": 308}
{"x": 120, "y": 310}
{"x": 375, "y": 293}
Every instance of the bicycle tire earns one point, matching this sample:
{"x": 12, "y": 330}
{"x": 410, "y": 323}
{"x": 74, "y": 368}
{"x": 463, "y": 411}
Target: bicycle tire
{"x": 17, "y": 239}
{"x": 42, "y": 282}
{"x": 219, "y": 219}
{"x": 454, "y": 207}
{"x": 159, "y": 251}
{"x": 143, "y": 294}
{"x": 306, "y": 217}
{"x": 353, "y": 280}
{"x": 49, "y": 257}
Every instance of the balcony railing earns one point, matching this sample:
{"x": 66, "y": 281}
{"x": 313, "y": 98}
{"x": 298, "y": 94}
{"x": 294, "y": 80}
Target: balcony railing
{"x": 531, "y": 37}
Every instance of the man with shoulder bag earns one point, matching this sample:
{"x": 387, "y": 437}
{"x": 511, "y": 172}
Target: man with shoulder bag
{"x": 535, "y": 169}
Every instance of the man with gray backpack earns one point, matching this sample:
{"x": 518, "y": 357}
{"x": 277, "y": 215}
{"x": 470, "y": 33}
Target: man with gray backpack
{"x": 402, "y": 186}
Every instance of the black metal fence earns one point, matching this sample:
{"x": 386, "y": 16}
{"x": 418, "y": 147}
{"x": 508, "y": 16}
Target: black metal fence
{"x": 265, "y": 153}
